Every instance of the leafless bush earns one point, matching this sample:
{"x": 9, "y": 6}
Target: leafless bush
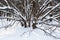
{"x": 30, "y": 13}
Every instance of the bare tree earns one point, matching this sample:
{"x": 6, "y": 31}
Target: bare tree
{"x": 30, "y": 13}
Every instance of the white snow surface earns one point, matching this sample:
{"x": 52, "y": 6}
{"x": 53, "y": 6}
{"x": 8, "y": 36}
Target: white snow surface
{"x": 17, "y": 33}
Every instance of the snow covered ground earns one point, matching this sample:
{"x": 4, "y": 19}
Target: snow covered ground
{"x": 16, "y": 33}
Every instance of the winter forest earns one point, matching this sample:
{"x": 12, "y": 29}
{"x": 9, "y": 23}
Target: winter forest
{"x": 29, "y": 19}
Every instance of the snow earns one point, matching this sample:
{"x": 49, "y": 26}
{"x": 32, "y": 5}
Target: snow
{"x": 15, "y": 33}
